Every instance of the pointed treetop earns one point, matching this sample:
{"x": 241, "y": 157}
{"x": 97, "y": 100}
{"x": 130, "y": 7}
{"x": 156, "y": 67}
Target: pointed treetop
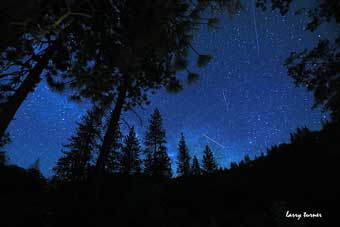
{"x": 209, "y": 162}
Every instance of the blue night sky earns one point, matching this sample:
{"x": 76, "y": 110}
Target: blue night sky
{"x": 243, "y": 103}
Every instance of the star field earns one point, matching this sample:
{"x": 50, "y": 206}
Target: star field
{"x": 244, "y": 99}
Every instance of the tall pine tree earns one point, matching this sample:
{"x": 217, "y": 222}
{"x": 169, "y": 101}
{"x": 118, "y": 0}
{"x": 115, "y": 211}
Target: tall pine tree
{"x": 130, "y": 162}
{"x": 209, "y": 162}
{"x": 75, "y": 164}
{"x": 183, "y": 163}
{"x": 195, "y": 167}
{"x": 157, "y": 162}
{"x": 112, "y": 164}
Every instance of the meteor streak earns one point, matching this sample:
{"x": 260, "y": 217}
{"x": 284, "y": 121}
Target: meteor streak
{"x": 255, "y": 27}
{"x": 214, "y": 141}
{"x": 225, "y": 100}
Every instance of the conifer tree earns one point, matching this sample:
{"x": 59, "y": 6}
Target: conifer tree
{"x": 130, "y": 162}
{"x": 195, "y": 167}
{"x": 148, "y": 162}
{"x": 75, "y": 164}
{"x": 209, "y": 162}
{"x": 157, "y": 162}
{"x": 112, "y": 164}
{"x": 183, "y": 164}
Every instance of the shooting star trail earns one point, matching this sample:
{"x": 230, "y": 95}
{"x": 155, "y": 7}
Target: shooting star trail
{"x": 214, "y": 141}
{"x": 255, "y": 26}
{"x": 225, "y": 100}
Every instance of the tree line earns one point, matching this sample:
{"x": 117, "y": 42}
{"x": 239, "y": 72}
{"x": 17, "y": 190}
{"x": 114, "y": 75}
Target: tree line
{"x": 127, "y": 156}
{"x": 299, "y": 175}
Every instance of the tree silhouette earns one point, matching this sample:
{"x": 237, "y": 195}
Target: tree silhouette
{"x": 113, "y": 164}
{"x": 148, "y": 162}
{"x": 322, "y": 12}
{"x": 233, "y": 165}
{"x": 74, "y": 165}
{"x": 130, "y": 160}
{"x": 15, "y": 22}
{"x": 316, "y": 69}
{"x": 4, "y": 140}
{"x": 183, "y": 162}
{"x": 157, "y": 162}
{"x": 209, "y": 162}
{"x": 195, "y": 167}
{"x": 245, "y": 162}
{"x": 299, "y": 134}
{"x": 56, "y": 43}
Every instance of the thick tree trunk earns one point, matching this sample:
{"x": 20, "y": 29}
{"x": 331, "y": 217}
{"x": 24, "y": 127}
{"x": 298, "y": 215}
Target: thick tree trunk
{"x": 9, "y": 108}
{"x": 109, "y": 137}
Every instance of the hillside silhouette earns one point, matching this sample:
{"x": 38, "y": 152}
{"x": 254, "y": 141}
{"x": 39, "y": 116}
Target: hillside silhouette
{"x": 300, "y": 176}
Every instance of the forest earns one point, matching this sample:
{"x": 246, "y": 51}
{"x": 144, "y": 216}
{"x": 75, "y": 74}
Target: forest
{"x": 115, "y": 54}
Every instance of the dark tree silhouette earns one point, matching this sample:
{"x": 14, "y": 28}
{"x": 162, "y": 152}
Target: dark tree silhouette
{"x": 209, "y": 163}
{"x": 157, "y": 162}
{"x": 148, "y": 162}
{"x": 245, "y": 162}
{"x": 74, "y": 165}
{"x": 195, "y": 167}
{"x": 183, "y": 162}
{"x": 55, "y": 43}
{"x": 299, "y": 134}
{"x": 15, "y": 21}
{"x": 130, "y": 159}
{"x": 321, "y": 11}
{"x": 4, "y": 140}
{"x": 316, "y": 69}
{"x": 112, "y": 164}
{"x": 233, "y": 165}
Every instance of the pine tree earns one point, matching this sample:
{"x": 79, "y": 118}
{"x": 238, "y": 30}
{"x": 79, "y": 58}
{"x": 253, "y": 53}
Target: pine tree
{"x": 157, "y": 161}
{"x": 209, "y": 162}
{"x": 75, "y": 164}
{"x": 130, "y": 162}
{"x": 112, "y": 164}
{"x": 195, "y": 167}
{"x": 148, "y": 162}
{"x": 183, "y": 164}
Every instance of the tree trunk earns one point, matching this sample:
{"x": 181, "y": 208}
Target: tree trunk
{"x": 9, "y": 108}
{"x": 109, "y": 137}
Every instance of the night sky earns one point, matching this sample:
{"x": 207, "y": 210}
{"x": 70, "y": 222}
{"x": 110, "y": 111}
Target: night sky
{"x": 243, "y": 103}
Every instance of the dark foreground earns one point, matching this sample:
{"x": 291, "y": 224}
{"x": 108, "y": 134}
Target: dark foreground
{"x": 298, "y": 177}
